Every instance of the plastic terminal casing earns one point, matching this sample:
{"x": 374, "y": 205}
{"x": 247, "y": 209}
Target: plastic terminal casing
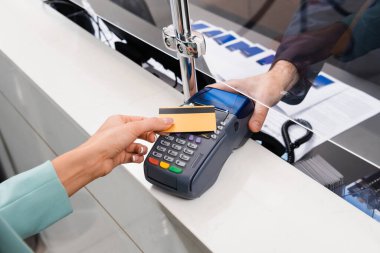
{"x": 233, "y": 112}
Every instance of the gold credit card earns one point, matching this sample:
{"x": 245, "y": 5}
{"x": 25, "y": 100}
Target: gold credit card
{"x": 190, "y": 118}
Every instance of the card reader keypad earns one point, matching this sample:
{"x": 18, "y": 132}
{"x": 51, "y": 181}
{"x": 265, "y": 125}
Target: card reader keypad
{"x": 176, "y": 147}
{"x": 165, "y": 143}
{"x": 175, "y": 151}
{"x": 160, "y": 148}
{"x": 172, "y": 152}
{"x": 188, "y": 151}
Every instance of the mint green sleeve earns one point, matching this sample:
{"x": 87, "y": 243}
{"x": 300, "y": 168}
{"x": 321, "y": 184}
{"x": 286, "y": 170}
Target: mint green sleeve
{"x": 33, "y": 200}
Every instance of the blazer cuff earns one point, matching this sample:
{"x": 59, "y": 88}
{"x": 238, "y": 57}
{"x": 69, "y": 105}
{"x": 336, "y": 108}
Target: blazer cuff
{"x": 33, "y": 200}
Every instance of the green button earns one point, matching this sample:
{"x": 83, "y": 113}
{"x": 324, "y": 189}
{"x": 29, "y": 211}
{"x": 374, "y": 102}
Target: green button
{"x": 175, "y": 170}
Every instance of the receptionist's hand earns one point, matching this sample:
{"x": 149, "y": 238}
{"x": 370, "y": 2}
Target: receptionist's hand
{"x": 266, "y": 89}
{"x": 113, "y": 144}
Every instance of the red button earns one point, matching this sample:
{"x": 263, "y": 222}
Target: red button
{"x": 153, "y": 161}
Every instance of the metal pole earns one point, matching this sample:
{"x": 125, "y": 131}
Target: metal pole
{"x": 181, "y": 22}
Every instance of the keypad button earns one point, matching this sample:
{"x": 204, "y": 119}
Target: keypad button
{"x": 223, "y": 123}
{"x": 153, "y": 161}
{"x": 191, "y": 137}
{"x": 169, "y": 137}
{"x": 176, "y": 147}
{"x": 184, "y": 157}
{"x": 217, "y": 132}
{"x": 168, "y": 158}
{"x": 192, "y": 145}
{"x": 180, "y": 141}
{"x": 188, "y": 151}
{"x": 213, "y": 136}
{"x": 165, "y": 143}
{"x": 156, "y": 154}
{"x": 220, "y": 127}
{"x": 198, "y": 140}
{"x": 164, "y": 165}
{"x": 175, "y": 170}
{"x": 162, "y": 149}
{"x": 180, "y": 163}
{"x": 172, "y": 152}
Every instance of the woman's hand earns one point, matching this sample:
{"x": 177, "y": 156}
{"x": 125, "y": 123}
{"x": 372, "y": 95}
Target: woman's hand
{"x": 266, "y": 89}
{"x": 113, "y": 144}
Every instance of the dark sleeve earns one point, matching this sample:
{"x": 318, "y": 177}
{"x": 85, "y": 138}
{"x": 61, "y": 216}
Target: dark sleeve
{"x": 365, "y": 32}
{"x": 307, "y": 52}
{"x": 326, "y": 33}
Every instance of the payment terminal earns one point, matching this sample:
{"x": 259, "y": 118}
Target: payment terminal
{"x": 187, "y": 164}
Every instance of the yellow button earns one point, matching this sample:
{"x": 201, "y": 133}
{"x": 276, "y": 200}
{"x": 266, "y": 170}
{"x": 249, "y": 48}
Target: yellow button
{"x": 164, "y": 165}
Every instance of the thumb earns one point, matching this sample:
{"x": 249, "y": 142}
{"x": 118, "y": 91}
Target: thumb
{"x": 257, "y": 120}
{"x": 149, "y": 125}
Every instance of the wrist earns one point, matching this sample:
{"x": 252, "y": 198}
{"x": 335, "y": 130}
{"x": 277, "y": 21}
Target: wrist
{"x": 286, "y": 72}
{"x": 76, "y": 168}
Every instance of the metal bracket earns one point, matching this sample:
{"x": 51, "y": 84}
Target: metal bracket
{"x": 194, "y": 47}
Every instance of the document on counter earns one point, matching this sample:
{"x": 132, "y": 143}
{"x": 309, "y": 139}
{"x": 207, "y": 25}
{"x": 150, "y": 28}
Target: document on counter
{"x": 341, "y": 112}
{"x": 330, "y": 106}
{"x": 316, "y": 95}
{"x": 328, "y": 118}
{"x": 227, "y": 64}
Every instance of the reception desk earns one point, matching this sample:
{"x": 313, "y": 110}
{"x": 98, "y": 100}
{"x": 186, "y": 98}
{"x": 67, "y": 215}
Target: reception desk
{"x": 58, "y": 84}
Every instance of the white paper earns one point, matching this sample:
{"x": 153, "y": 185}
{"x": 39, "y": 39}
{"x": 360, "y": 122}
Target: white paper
{"x": 330, "y": 109}
{"x": 315, "y": 96}
{"x": 227, "y": 65}
{"x": 328, "y": 118}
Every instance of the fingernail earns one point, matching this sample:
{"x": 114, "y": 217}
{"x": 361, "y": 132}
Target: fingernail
{"x": 168, "y": 120}
{"x": 134, "y": 158}
{"x": 141, "y": 150}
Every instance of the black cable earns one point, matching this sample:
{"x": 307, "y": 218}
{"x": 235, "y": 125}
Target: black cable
{"x": 291, "y": 146}
{"x": 49, "y": 2}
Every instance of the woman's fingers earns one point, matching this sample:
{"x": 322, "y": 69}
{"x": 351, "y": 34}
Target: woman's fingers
{"x": 134, "y": 153}
{"x": 151, "y": 137}
{"x": 132, "y": 158}
{"x": 127, "y": 118}
{"x": 137, "y": 159}
{"x": 148, "y": 136}
{"x": 138, "y": 128}
{"x": 137, "y": 148}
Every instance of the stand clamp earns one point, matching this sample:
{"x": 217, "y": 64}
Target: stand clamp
{"x": 194, "y": 47}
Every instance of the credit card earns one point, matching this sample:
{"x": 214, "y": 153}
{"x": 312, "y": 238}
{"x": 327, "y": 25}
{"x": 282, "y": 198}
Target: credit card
{"x": 190, "y": 118}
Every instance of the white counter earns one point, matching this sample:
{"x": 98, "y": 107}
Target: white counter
{"x": 259, "y": 203}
